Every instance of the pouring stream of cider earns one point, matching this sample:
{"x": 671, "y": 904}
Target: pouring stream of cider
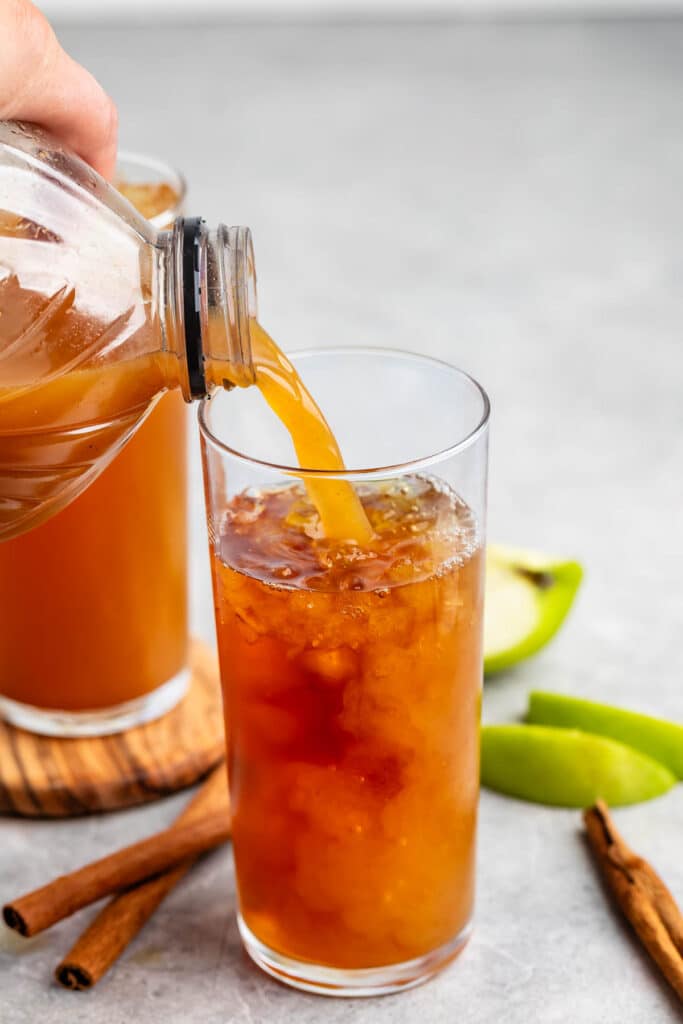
{"x": 341, "y": 513}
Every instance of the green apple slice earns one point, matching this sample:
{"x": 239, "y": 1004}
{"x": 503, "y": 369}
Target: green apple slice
{"x": 656, "y": 737}
{"x": 567, "y": 767}
{"x": 528, "y": 596}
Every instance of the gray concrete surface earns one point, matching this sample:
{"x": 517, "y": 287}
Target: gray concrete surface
{"x": 507, "y": 197}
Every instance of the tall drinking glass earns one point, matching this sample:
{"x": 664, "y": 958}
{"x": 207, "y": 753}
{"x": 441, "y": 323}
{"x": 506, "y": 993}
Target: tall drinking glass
{"x": 94, "y": 602}
{"x": 351, "y": 676}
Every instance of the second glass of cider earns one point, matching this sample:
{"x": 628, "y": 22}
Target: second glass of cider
{"x": 94, "y": 601}
{"x": 352, "y": 671}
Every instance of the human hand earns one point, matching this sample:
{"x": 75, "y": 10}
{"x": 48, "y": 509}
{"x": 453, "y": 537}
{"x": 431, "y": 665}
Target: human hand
{"x": 39, "y": 82}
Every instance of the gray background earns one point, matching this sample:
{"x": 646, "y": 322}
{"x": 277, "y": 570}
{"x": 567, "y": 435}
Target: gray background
{"x": 148, "y": 10}
{"x": 506, "y": 196}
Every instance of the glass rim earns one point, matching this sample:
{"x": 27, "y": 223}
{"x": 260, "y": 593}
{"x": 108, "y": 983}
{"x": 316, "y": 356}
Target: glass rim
{"x": 163, "y": 170}
{"x": 424, "y": 462}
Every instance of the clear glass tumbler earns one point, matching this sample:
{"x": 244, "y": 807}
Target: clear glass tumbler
{"x": 94, "y": 601}
{"x": 352, "y": 677}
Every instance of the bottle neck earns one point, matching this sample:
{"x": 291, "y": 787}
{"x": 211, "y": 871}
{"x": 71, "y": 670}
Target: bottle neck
{"x": 207, "y": 299}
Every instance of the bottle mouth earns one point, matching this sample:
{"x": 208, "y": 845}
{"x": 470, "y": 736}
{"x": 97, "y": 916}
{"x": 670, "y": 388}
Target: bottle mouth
{"x": 219, "y": 303}
{"x": 239, "y": 269}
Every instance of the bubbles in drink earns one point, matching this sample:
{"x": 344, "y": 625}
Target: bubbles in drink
{"x": 419, "y": 527}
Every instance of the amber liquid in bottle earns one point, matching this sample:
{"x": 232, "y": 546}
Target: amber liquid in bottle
{"x": 57, "y": 429}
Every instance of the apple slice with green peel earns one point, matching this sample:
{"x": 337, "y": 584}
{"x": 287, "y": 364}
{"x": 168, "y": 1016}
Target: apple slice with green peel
{"x": 656, "y": 737}
{"x": 567, "y": 767}
{"x": 528, "y": 596}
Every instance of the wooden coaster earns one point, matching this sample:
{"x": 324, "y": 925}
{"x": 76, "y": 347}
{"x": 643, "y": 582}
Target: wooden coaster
{"x": 43, "y": 777}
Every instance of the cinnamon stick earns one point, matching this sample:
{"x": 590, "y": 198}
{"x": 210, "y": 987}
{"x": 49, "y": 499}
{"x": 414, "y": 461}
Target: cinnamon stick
{"x": 117, "y": 924}
{"x": 62, "y": 897}
{"x": 641, "y": 894}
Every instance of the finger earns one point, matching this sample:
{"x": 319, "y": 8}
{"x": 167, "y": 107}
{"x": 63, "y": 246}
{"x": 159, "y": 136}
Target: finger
{"x": 39, "y": 82}
{"x": 73, "y": 105}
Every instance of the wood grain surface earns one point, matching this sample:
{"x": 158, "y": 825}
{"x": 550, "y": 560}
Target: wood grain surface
{"x": 43, "y": 777}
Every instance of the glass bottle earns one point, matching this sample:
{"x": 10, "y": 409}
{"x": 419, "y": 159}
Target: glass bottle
{"x": 100, "y": 313}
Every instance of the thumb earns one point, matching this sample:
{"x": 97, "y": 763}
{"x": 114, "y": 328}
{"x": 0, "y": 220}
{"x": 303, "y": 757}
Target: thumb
{"x": 39, "y": 82}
